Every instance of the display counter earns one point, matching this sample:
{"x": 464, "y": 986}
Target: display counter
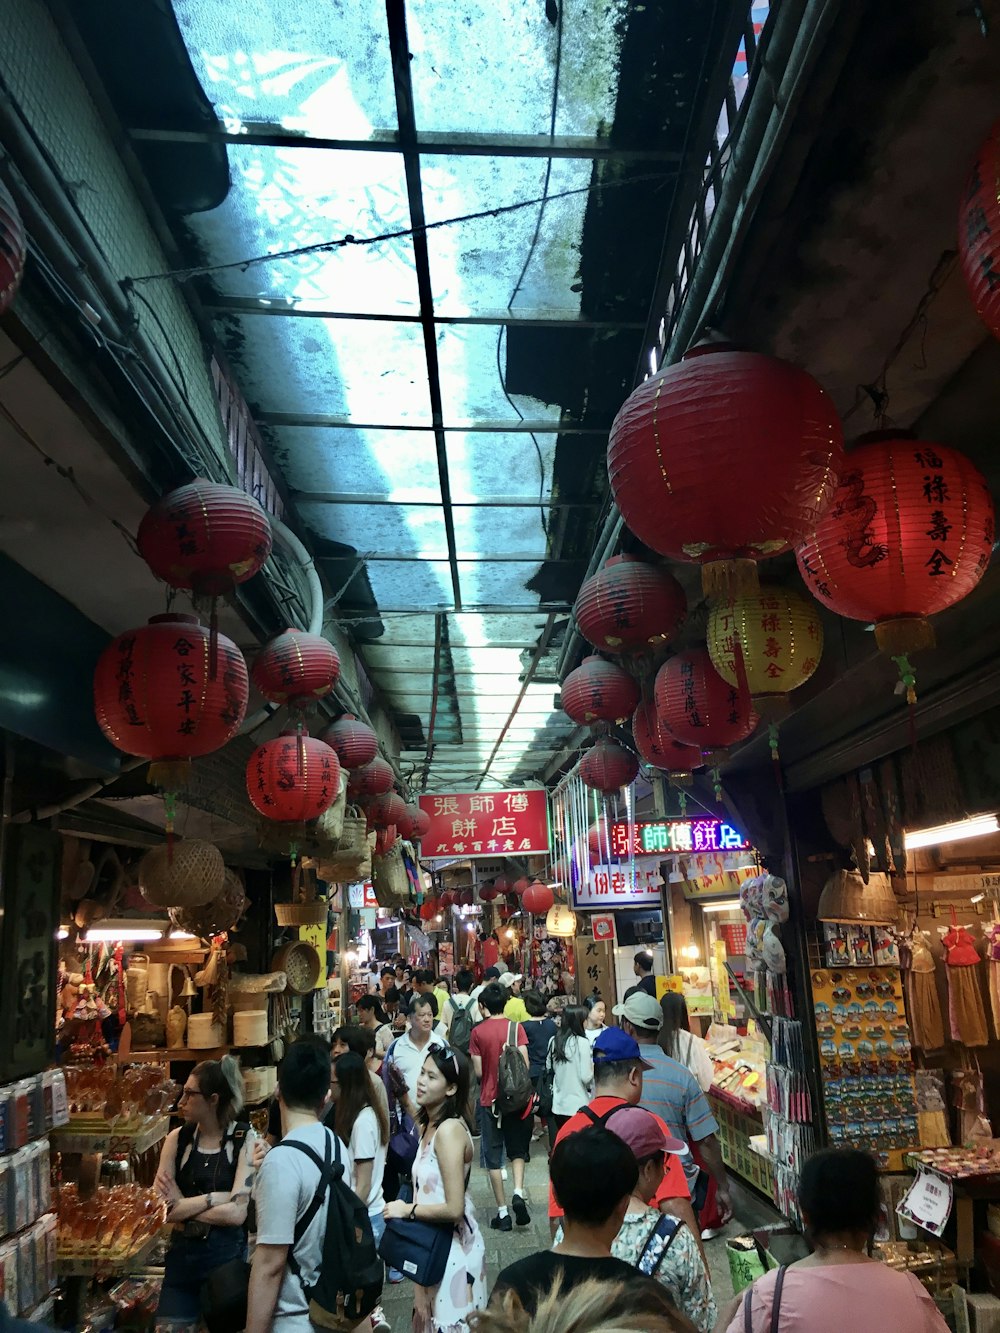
{"x": 737, "y": 1097}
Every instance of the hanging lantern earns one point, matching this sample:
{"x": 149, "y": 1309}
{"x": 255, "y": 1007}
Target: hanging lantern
{"x": 404, "y": 822}
{"x": 599, "y": 842}
{"x": 661, "y": 750}
{"x": 373, "y": 779}
{"x": 296, "y": 669}
{"x": 385, "y": 840}
{"x": 724, "y": 422}
{"x": 629, "y": 606}
{"x": 502, "y": 885}
{"x": 446, "y": 900}
{"x": 420, "y": 820}
{"x": 292, "y": 780}
{"x": 154, "y": 695}
{"x": 389, "y": 808}
{"x": 355, "y": 742}
{"x": 488, "y": 893}
{"x": 698, "y": 707}
{"x": 979, "y": 233}
{"x": 13, "y": 249}
{"x": 608, "y": 766}
{"x": 428, "y": 909}
{"x": 598, "y": 691}
{"x": 538, "y": 898}
{"x": 561, "y": 921}
{"x": 520, "y": 886}
{"x": 466, "y": 898}
{"x": 205, "y": 537}
{"x": 910, "y": 534}
{"x": 778, "y": 634}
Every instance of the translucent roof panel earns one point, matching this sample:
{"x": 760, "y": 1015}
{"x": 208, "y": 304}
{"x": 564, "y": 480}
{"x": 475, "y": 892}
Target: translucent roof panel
{"x": 394, "y": 465}
{"x": 471, "y": 387}
{"x": 400, "y": 584}
{"x": 367, "y": 372}
{"x": 284, "y": 198}
{"x": 486, "y": 584}
{"x": 491, "y": 530}
{"x": 458, "y": 50}
{"x": 323, "y": 69}
{"x": 384, "y": 530}
{"x": 499, "y": 467}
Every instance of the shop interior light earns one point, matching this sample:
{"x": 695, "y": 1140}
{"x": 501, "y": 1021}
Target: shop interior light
{"x": 691, "y": 951}
{"x": 62, "y": 933}
{"x": 727, "y": 905}
{"x": 181, "y": 935}
{"x": 126, "y": 931}
{"x": 976, "y": 827}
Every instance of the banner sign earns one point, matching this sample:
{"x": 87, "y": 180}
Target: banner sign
{"x": 486, "y": 824}
{"x": 675, "y": 835}
{"x": 361, "y": 895}
{"x": 608, "y": 887}
{"x": 603, "y": 927}
{"x": 714, "y": 881}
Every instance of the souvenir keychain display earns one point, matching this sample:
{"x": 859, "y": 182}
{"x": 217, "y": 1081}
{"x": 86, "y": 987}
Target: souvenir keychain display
{"x": 865, "y": 1059}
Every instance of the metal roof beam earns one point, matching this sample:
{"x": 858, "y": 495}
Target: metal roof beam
{"x": 278, "y": 307}
{"x": 470, "y": 427}
{"x": 491, "y": 502}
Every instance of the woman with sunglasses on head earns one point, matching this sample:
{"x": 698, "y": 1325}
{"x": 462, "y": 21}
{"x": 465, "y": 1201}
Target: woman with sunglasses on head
{"x": 440, "y": 1192}
{"x": 204, "y": 1177}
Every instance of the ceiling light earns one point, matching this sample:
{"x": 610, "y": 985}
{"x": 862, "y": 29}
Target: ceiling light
{"x": 62, "y": 933}
{"x": 182, "y": 935}
{"x": 976, "y": 827}
{"x": 728, "y": 905}
{"x": 126, "y": 931}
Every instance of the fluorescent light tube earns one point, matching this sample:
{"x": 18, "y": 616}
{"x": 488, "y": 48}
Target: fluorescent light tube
{"x": 976, "y": 827}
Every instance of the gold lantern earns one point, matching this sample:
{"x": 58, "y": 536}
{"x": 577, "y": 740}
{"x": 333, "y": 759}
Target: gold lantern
{"x": 781, "y": 637}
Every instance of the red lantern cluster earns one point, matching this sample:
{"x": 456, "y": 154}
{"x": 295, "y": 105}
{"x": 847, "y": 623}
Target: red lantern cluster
{"x": 13, "y": 249}
{"x": 910, "y": 533}
{"x": 724, "y": 422}
{"x": 538, "y": 898}
{"x": 979, "y": 233}
{"x": 697, "y": 706}
{"x": 205, "y": 537}
{"x": 296, "y": 668}
{"x": 355, "y": 742}
{"x": 629, "y": 606}
{"x": 373, "y": 779}
{"x": 155, "y": 695}
{"x": 389, "y": 808}
{"x": 656, "y": 745}
{"x": 608, "y": 766}
{"x": 598, "y": 691}
{"x": 293, "y": 778}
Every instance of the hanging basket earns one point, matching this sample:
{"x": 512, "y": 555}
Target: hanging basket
{"x": 308, "y": 909}
{"x": 330, "y": 826}
{"x": 189, "y": 874}
{"x": 222, "y": 915}
{"x": 354, "y": 832}
{"x": 300, "y": 963}
{"x": 389, "y": 878}
{"x": 846, "y": 897}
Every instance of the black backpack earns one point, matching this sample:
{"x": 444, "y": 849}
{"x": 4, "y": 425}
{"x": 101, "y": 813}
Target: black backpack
{"x": 514, "y": 1090}
{"x": 460, "y": 1028}
{"x": 349, "y": 1284}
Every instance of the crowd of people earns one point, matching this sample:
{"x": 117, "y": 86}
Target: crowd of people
{"x": 383, "y": 1122}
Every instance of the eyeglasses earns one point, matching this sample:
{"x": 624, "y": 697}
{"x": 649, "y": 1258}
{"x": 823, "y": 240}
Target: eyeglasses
{"x": 189, "y": 1092}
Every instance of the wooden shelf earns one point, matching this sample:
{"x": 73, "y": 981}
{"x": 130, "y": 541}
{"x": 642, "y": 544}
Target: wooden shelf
{"x": 70, "y": 1138}
{"x": 168, "y": 1054}
{"x": 107, "y": 1265}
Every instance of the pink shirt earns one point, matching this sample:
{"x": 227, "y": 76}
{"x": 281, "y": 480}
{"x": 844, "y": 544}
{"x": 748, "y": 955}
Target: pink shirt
{"x": 862, "y": 1297}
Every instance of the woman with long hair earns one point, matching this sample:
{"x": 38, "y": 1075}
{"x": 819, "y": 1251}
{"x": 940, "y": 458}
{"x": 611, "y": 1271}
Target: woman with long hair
{"x": 361, "y": 1122}
{"x": 572, "y": 1066}
{"x": 204, "y": 1177}
{"x": 441, "y": 1194}
{"x": 372, "y": 1016}
{"x": 680, "y": 1043}
{"x": 597, "y": 1011}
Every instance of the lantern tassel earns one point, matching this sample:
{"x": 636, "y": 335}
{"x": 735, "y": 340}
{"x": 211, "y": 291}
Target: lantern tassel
{"x": 170, "y": 811}
{"x": 730, "y": 578}
{"x": 903, "y": 635}
{"x": 772, "y": 740}
{"x": 682, "y": 801}
{"x": 717, "y": 784}
{"x": 300, "y": 748}
{"x": 908, "y": 682}
{"x": 169, "y": 774}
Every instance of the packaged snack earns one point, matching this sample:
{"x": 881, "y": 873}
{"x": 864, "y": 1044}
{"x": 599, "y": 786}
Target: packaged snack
{"x": 20, "y": 1116}
{"x": 25, "y": 1271}
{"x": 60, "y": 1102}
{"x": 859, "y": 943}
{"x": 20, "y": 1177}
{"x": 9, "y": 1288}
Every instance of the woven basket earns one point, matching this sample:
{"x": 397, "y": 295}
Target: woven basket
{"x": 354, "y": 835}
{"x": 308, "y": 909}
{"x": 330, "y": 826}
{"x": 389, "y": 878}
{"x": 345, "y": 867}
{"x": 257, "y": 983}
{"x": 217, "y": 917}
{"x": 188, "y": 875}
{"x": 301, "y": 965}
{"x": 846, "y": 897}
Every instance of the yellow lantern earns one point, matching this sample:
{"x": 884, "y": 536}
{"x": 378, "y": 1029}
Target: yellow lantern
{"x": 781, "y": 635}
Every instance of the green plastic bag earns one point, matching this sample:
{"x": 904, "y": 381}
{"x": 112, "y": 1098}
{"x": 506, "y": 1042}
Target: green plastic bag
{"x": 748, "y": 1260}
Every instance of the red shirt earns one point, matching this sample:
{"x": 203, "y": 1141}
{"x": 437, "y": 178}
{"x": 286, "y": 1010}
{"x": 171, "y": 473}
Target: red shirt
{"x": 674, "y": 1183}
{"x": 487, "y": 1041}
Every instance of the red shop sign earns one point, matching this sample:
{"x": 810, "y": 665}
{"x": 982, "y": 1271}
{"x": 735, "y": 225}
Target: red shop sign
{"x": 486, "y": 824}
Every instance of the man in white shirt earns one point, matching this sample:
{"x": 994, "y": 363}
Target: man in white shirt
{"x": 405, "y": 1057}
{"x": 285, "y": 1187}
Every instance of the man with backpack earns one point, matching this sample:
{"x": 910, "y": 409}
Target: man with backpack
{"x": 461, "y": 1013}
{"x": 315, "y": 1259}
{"x": 499, "y": 1051}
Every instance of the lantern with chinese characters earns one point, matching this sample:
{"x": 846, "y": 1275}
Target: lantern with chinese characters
{"x": 296, "y": 668}
{"x": 598, "y": 691}
{"x": 291, "y": 780}
{"x": 389, "y": 808}
{"x": 155, "y": 697}
{"x": 13, "y": 249}
{"x": 910, "y": 534}
{"x": 205, "y": 537}
{"x": 355, "y": 742}
{"x": 769, "y": 642}
{"x": 979, "y": 232}
{"x": 538, "y": 898}
{"x": 698, "y": 707}
{"x": 560, "y": 920}
{"x": 630, "y": 606}
{"x": 373, "y": 779}
{"x": 608, "y": 766}
{"x": 661, "y": 750}
{"x": 724, "y": 422}
{"x": 420, "y": 822}
{"x": 385, "y": 840}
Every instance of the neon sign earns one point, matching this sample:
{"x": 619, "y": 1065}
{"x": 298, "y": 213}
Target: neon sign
{"x": 675, "y": 835}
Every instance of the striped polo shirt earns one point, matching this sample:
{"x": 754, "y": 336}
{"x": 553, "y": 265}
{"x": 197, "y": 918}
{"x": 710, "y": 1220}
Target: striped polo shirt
{"x": 671, "y": 1091}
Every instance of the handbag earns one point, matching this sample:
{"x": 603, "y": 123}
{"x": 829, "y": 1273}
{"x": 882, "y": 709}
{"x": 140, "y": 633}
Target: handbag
{"x": 546, "y": 1084}
{"x": 418, "y": 1250}
{"x": 775, "y": 1304}
{"x": 404, "y": 1140}
{"x": 224, "y": 1297}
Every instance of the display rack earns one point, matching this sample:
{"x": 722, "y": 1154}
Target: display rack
{"x": 108, "y": 1265}
{"x": 75, "y": 1138}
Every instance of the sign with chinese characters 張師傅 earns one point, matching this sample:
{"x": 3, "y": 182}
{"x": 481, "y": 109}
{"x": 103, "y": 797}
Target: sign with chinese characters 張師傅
{"x": 649, "y": 838}
{"x": 620, "y": 886}
{"x": 486, "y": 824}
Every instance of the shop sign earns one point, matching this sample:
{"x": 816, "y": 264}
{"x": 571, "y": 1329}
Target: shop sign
{"x": 708, "y": 877}
{"x": 603, "y": 927}
{"x": 672, "y": 836}
{"x": 486, "y": 824}
{"x": 985, "y": 883}
{"x": 928, "y": 1202}
{"x": 361, "y": 895}
{"x": 620, "y": 886}
{"x": 595, "y": 968}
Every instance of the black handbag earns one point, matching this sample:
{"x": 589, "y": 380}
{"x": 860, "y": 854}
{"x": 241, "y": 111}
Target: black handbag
{"x": 224, "y": 1297}
{"x": 418, "y": 1250}
{"x": 546, "y": 1084}
{"x": 404, "y": 1139}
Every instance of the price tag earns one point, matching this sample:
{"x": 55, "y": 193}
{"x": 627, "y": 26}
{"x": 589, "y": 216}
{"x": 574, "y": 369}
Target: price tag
{"x": 928, "y": 1202}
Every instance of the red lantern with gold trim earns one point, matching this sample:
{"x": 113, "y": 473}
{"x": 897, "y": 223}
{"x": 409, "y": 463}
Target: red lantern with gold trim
{"x": 979, "y": 232}
{"x": 389, "y": 808}
{"x": 598, "y": 691}
{"x": 698, "y": 707}
{"x": 608, "y": 766}
{"x": 205, "y": 537}
{"x": 910, "y": 533}
{"x": 538, "y": 898}
{"x": 373, "y": 779}
{"x": 630, "y": 606}
{"x": 355, "y": 742}
{"x": 293, "y": 778}
{"x": 296, "y": 668}
{"x": 661, "y": 750}
{"x": 155, "y": 696}
{"x": 13, "y": 249}
{"x": 725, "y": 422}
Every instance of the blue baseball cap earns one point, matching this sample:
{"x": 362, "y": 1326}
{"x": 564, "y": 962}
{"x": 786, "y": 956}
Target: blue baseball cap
{"x": 614, "y": 1044}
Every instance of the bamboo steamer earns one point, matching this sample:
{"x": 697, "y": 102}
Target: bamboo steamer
{"x": 189, "y": 875}
{"x": 204, "y": 1033}
{"x": 250, "y": 1028}
{"x": 301, "y": 965}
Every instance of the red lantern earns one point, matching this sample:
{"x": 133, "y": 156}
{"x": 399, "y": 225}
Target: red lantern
{"x": 979, "y": 233}
{"x": 910, "y": 534}
{"x": 385, "y": 840}
{"x": 502, "y": 885}
{"x": 386, "y": 809}
{"x": 488, "y": 893}
{"x": 608, "y": 766}
{"x": 658, "y": 748}
{"x": 373, "y": 779}
{"x": 355, "y": 742}
{"x": 598, "y": 691}
{"x": 428, "y": 909}
{"x": 296, "y": 668}
{"x": 404, "y": 822}
{"x": 538, "y": 898}
{"x": 420, "y": 822}
{"x": 293, "y": 778}
{"x": 520, "y": 886}
{"x": 466, "y": 898}
{"x": 205, "y": 537}
{"x": 599, "y": 841}
{"x": 629, "y": 606}
{"x": 13, "y": 249}
{"x": 446, "y": 900}
{"x": 697, "y": 706}
{"x": 723, "y": 422}
{"x": 155, "y": 697}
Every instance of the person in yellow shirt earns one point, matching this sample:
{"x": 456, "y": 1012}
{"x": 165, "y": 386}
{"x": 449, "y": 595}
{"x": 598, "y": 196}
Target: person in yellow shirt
{"x": 514, "y": 1010}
